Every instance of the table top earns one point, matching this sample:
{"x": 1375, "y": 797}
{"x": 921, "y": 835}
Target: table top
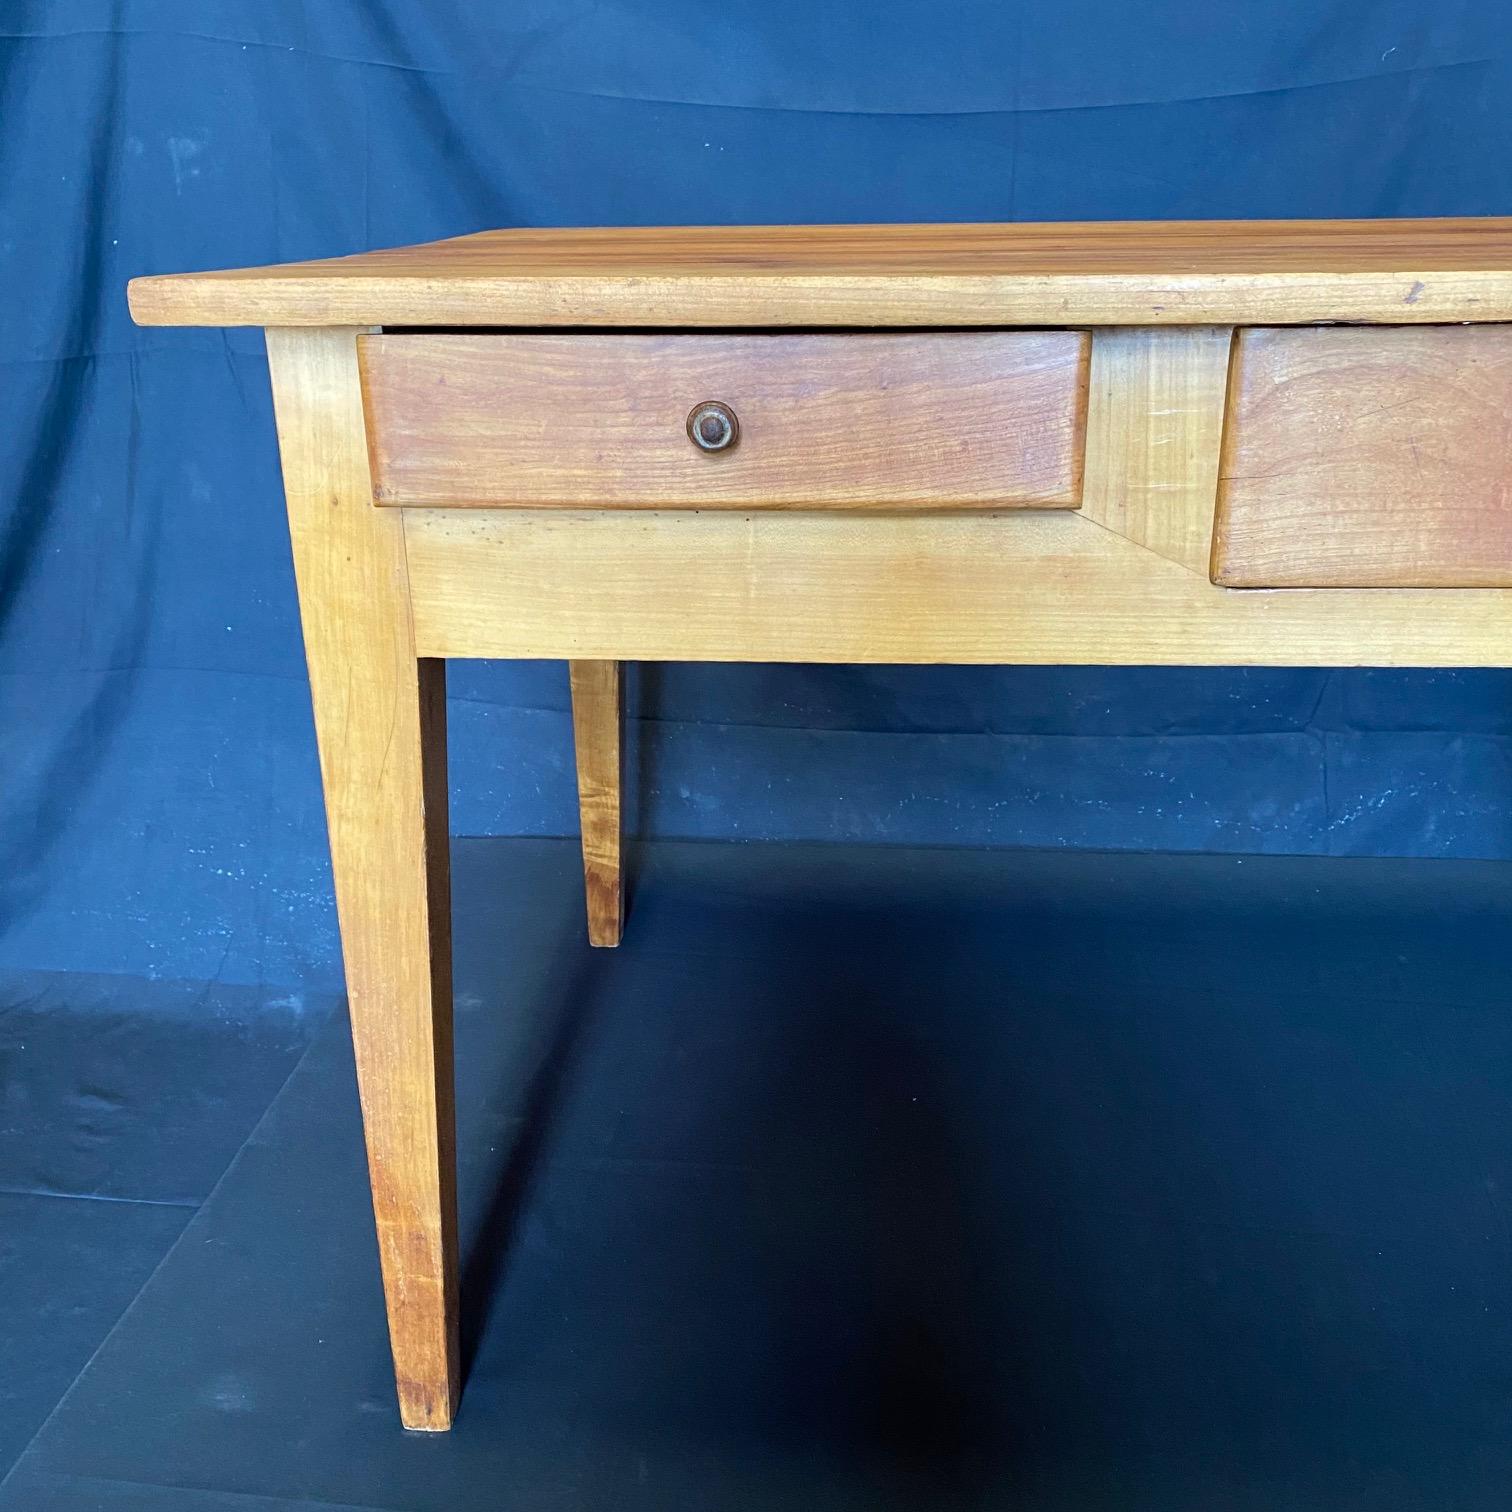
{"x": 1088, "y": 273}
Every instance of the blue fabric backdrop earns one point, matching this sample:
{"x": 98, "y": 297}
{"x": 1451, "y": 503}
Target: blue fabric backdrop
{"x": 159, "y": 809}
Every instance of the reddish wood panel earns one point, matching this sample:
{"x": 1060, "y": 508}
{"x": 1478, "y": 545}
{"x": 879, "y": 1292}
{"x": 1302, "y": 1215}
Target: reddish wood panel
{"x": 1357, "y": 458}
{"x": 954, "y": 420}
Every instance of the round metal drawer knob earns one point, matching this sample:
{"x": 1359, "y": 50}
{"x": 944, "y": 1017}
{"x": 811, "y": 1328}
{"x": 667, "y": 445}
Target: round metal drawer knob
{"x": 712, "y": 426}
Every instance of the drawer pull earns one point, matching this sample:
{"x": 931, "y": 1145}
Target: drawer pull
{"x": 712, "y": 426}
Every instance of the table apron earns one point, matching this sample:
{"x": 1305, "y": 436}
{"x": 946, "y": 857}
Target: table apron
{"x": 1039, "y": 587}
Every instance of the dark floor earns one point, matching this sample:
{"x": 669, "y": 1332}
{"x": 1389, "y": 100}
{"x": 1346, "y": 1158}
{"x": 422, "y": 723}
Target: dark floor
{"x": 857, "y": 1178}
{"x": 122, "y": 1102}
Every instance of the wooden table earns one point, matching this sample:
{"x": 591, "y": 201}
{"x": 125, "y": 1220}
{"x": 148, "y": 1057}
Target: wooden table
{"x": 1192, "y": 443}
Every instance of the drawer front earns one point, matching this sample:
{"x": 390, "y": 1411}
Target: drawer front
{"x": 950, "y": 420}
{"x": 1367, "y": 457}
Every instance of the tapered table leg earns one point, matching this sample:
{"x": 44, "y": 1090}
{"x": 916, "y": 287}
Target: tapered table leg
{"x": 597, "y": 725}
{"x": 380, "y": 715}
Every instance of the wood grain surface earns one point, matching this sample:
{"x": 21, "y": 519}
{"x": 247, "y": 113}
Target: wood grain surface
{"x": 597, "y": 730}
{"x": 1094, "y": 273}
{"x": 380, "y": 716}
{"x": 1030, "y": 587}
{"x": 954, "y": 420}
{"x": 1361, "y": 458}
{"x": 1154, "y": 420}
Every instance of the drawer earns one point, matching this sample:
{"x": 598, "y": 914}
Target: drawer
{"x": 949, "y": 420}
{"x": 1367, "y": 457}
